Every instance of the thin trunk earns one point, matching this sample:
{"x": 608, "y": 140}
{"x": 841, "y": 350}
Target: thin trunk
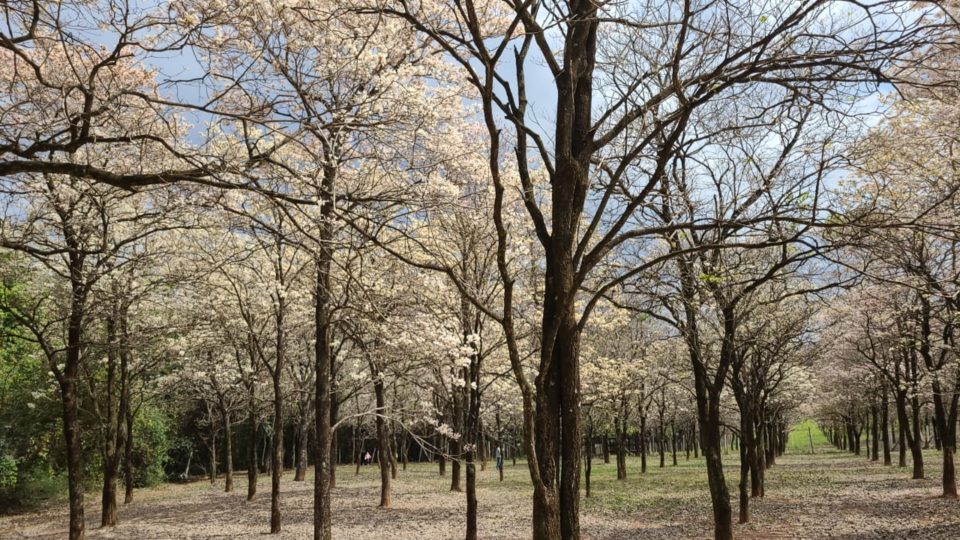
{"x": 383, "y": 443}
{"x": 128, "y": 480}
{"x": 252, "y": 467}
{"x": 277, "y": 451}
{"x": 322, "y": 399}
{"x": 589, "y": 465}
{"x": 643, "y": 443}
{"x": 213, "y": 453}
{"x": 228, "y": 449}
{"x": 885, "y": 426}
{"x": 303, "y": 442}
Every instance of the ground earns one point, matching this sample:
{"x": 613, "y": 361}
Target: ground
{"x": 824, "y": 495}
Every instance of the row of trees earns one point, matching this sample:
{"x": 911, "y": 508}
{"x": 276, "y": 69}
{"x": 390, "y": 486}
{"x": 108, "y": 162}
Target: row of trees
{"x": 333, "y": 202}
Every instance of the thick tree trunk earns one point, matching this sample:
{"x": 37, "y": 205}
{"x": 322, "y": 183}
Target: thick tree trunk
{"x": 945, "y": 427}
{"x": 546, "y": 494}
{"x": 708, "y": 417}
{"x": 949, "y": 471}
{"x": 719, "y": 495}
{"x": 71, "y": 431}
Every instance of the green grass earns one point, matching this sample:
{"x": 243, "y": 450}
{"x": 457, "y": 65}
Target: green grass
{"x": 800, "y": 435}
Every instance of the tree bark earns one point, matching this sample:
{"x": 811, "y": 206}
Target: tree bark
{"x": 303, "y": 436}
{"x": 128, "y": 479}
{"x": 228, "y": 449}
{"x": 71, "y": 431}
{"x": 885, "y": 426}
{"x": 383, "y": 442}
{"x": 252, "y": 466}
{"x": 712, "y": 448}
{"x": 643, "y": 443}
{"x": 322, "y": 399}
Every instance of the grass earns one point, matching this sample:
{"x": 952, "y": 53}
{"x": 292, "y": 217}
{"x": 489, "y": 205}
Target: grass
{"x": 800, "y": 436}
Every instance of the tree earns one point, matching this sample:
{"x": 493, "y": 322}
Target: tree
{"x": 614, "y": 133}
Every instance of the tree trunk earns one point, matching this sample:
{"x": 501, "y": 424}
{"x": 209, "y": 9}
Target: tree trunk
{"x": 228, "y": 450}
{"x": 321, "y": 493}
{"x": 455, "y": 447}
{"x": 303, "y": 436}
{"x": 620, "y": 431}
{"x": 885, "y": 426}
{"x": 383, "y": 442}
{"x": 744, "y": 471}
{"x": 110, "y": 451}
{"x": 277, "y": 451}
{"x": 213, "y": 453}
{"x": 128, "y": 459}
{"x": 643, "y": 443}
{"x": 334, "y": 417}
{"x": 901, "y": 443}
{"x": 949, "y": 471}
{"x": 708, "y": 414}
{"x": 748, "y": 461}
{"x": 252, "y": 467}
{"x": 276, "y": 454}
{"x": 71, "y": 431}
{"x": 589, "y": 465}
{"x": 916, "y": 448}
{"x": 673, "y": 441}
{"x": 108, "y": 513}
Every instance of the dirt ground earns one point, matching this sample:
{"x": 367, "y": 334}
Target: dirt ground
{"x": 825, "y": 495}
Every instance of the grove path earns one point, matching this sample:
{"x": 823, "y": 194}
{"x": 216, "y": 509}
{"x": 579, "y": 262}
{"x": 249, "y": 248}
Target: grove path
{"x": 825, "y": 495}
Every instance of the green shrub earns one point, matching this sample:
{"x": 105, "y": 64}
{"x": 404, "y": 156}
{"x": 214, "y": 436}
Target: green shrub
{"x": 8, "y": 472}
{"x": 151, "y": 446}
